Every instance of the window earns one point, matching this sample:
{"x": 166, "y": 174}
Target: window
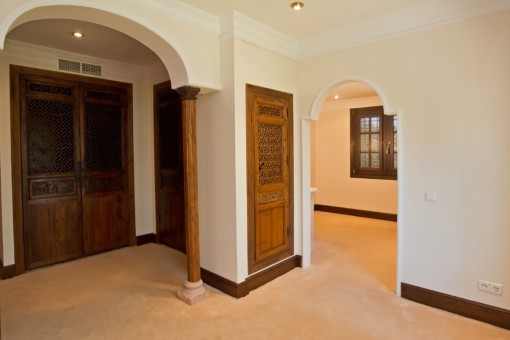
{"x": 373, "y": 144}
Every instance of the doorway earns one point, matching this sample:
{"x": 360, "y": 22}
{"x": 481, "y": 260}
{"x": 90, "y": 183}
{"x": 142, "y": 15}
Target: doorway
{"x": 169, "y": 167}
{"x": 72, "y": 149}
{"x": 335, "y": 137}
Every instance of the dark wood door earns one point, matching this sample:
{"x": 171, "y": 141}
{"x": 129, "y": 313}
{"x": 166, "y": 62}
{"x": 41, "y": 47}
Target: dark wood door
{"x": 269, "y": 163}
{"x": 104, "y": 168}
{"x": 169, "y": 167}
{"x": 75, "y": 163}
{"x": 51, "y": 151}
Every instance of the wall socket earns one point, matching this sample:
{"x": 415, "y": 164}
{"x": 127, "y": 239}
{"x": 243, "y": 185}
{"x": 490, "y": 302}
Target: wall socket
{"x": 490, "y": 287}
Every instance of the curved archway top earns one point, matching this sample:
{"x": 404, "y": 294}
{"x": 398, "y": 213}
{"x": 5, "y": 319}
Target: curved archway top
{"x": 326, "y": 90}
{"x": 185, "y": 65}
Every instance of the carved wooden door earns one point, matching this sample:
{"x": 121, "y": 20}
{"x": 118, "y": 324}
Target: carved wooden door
{"x": 104, "y": 168}
{"x": 269, "y": 162}
{"x": 169, "y": 168}
{"x": 51, "y": 190}
{"x": 74, "y": 161}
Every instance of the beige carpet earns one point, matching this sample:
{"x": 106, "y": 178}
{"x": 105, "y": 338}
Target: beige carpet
{"x": 130, "y": 294}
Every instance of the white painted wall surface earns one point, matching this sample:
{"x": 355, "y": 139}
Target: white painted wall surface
{"x": 451, "y": 85}
{"x": 257, "y": 66}
{"x": 330, "y": 167}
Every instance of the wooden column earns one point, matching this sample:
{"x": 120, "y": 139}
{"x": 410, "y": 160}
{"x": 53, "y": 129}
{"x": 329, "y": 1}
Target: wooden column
{"x": 193, "y": 290}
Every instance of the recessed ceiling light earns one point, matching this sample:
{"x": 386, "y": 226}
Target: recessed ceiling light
{"x": 297, "y": 5}
{"x": 336, "y": 97}
{"x": 78, "y": 34}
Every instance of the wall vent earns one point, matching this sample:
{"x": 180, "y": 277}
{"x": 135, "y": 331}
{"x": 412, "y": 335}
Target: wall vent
{"x": 79, "y": 67}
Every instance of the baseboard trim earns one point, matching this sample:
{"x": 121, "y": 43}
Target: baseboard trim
{"x": 239, "y": 290}
{"x": 146, "y": 238}
{"x": 470, "y": 309}
{"x": 356, "y": 212}
{"x": 7, "y": 272}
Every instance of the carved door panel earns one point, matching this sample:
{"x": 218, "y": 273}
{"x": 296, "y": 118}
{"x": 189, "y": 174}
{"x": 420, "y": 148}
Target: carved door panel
{"x": 169, "y": 167}
{"x": 269, "y": 157}
{"x": 75, "y": 178}
{"x": 104, "y": 168}
{"x": 51, "y": 150}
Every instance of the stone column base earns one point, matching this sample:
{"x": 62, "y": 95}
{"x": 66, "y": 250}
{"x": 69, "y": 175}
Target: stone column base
{"x": 192, "y": 292}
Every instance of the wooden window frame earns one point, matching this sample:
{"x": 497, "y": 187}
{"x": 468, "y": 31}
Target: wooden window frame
{"x": 386, "y": 148}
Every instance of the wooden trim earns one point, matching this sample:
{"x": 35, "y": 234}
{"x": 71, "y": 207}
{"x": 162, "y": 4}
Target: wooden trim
{"x": 145, "y": 239}
{"x": 7, "y": 272}
{"x": 356, "y": 212}
{"x": 239, "y": 290}
{"x": 470, "y": 309}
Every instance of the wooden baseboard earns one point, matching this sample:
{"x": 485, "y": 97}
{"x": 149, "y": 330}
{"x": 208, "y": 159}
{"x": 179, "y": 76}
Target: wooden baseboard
{"x": 7, "y": 272}
{"x": 146, "y": 238}
{"x": 239, "y": 290}
{"x": 470, "y": 309}
{"x": 356, "y": 212}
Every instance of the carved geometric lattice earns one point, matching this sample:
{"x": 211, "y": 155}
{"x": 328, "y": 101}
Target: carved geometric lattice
{"x": 271, "y": 111}
{"x": 50, "y": 89}
{"x": 112, "y": 97}
{"x": 50, "y": 131}
{"x": 103, "y": 138}
{"x": 270, "y": 148}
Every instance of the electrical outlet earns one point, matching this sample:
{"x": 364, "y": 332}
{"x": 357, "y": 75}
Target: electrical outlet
{"x": 490, "y": 287}
{"x": 484, "y": 285}
{"x": 497, "y": 289}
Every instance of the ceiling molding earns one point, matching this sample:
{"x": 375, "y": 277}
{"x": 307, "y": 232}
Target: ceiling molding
{"x": 264, "y": 36}
{"x": 188, "y": 14}
{"x": 434, "y": 13}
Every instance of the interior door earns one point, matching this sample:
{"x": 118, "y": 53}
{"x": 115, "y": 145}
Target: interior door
{"x": 169, "y": 167}
{"x": 74, "y": 152}
{"x": 51, "y": 188}
{"x": 269, "y": 163}
{"x": 104, "y": 168}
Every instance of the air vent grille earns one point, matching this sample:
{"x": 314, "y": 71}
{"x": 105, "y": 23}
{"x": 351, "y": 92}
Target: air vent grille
{"x": 69, "y": 65}
{"x": 91, "y": 69}
{"x": 79, "y": 67}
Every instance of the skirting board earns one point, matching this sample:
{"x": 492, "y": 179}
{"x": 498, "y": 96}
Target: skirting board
{"x": 7, "y": 272}
{"x": 144, "y": 239}
{"x": 470, "y": 309}
{"x": 356, "y": 212}
{"x": 239, "y": 290}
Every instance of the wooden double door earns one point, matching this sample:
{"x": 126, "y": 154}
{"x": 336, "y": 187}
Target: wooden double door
{"x": 75, "y": 147}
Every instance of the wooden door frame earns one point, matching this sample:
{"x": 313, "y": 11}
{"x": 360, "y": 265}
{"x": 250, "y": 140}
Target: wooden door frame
{"x": 16, "y": 72}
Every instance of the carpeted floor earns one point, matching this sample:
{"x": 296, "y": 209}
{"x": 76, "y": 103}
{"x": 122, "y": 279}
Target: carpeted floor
{"x": 348, "y": 293}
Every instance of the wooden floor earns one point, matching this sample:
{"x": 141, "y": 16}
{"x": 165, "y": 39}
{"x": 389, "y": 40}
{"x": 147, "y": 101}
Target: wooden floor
{"x": 348, "y": 293}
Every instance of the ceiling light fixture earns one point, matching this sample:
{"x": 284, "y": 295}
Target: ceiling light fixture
{"x": 78, "y": 34}
{"x": 297, "y": 5}
{"x": 336, "y": 97}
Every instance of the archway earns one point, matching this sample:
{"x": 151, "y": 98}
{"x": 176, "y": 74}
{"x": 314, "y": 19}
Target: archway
{"x": 146, "y": 33}
{"x": 325, "y": 96}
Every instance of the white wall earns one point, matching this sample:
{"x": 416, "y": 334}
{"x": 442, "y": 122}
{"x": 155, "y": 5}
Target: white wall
{"x": 330, "y": 167}
{"x": 451, "y": 87}
{"x": 257, "y": 66}
{"x": 143, "y": 134}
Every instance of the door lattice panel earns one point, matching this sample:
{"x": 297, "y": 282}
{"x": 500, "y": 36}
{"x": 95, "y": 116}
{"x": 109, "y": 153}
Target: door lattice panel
{"x": 103, "y": 138}
{"x": 50, "y": 137}
{"x": 270, "y": 148}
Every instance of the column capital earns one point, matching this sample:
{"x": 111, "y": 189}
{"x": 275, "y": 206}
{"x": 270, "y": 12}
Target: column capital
{"x": 188, "y": 92}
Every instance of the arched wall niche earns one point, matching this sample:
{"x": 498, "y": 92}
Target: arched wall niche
{"x": 163, "y": 35}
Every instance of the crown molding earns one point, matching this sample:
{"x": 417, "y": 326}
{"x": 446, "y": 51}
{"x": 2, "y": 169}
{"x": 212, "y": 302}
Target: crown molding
{"x": 187, "y": 13}
{"x": 431, "y": 14}
{"x": 342, "y": 104}
{"x": 264, "y": 36}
